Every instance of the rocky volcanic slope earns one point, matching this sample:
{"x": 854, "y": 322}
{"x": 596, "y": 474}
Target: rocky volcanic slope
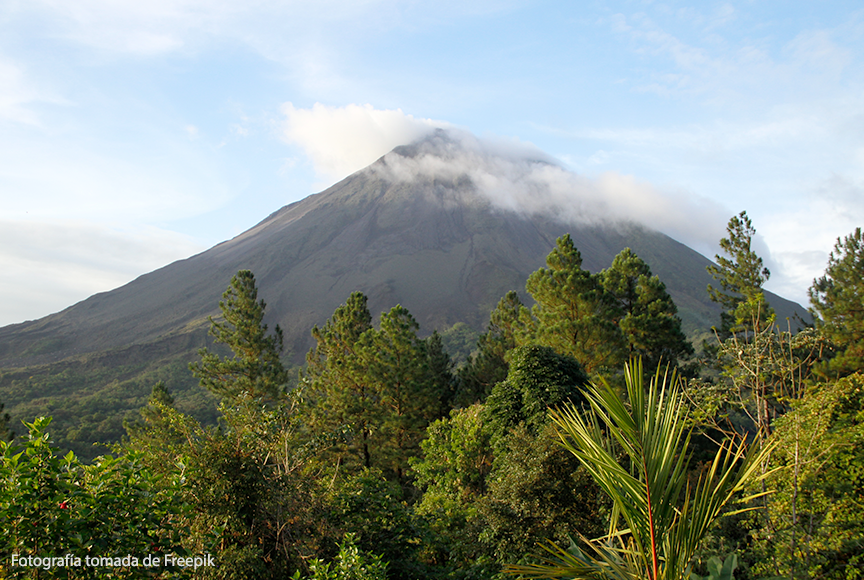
{"x": 430, "y": 241}
{"x": 432, "y": 244}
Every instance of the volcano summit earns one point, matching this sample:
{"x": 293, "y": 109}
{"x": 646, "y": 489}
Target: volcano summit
{"x": 444, "y": 227}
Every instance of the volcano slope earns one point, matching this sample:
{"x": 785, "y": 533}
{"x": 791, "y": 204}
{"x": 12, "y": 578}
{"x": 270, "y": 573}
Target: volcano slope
{"x": 414, "y": 228}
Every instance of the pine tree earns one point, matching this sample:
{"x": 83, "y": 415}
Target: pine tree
{"x": 574, "y": 314}
{"x": 650, "y": 323}
{"x": 838, "y": 300}
{"x": 741, "y": 278}
{"x": 440, "y": 367}
{"x": 398, "y": 372}
{"x": 376, "y": 383}
{"x": 338, "y": 391}
{"x": 488, "y": 366}
{"x": 255, "y": 368}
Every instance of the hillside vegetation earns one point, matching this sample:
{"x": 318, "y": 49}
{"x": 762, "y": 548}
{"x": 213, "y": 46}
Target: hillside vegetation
{"x": 434, "y": 244}
{"x": 582, "y": 438}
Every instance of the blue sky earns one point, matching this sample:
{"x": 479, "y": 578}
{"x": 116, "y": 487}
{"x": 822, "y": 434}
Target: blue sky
{"x": 135, "y": 134}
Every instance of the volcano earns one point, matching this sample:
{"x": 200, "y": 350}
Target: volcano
{"x": 419, "y": 227}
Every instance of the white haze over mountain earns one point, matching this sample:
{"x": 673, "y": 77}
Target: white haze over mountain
{"x": 514, "y": 175}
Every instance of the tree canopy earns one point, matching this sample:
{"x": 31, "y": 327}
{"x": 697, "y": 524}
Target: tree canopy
{"x": 663, "y": 515}
{"x": 575, "y": 315}
{"x": 837, "y": 298}
{"x": 741, "y": 275}
{"x": 381, "y": 386}
{"x": 255, "y": 368}
{"x": 539, "y": 379}
{"x": 650, "y": 322}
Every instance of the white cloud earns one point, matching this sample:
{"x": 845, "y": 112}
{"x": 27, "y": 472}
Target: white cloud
{"x": 49, "y": 265}
{"x": 802, "y": 236}
{"x": 342, "y": 140}
{"x": 514, "y": 175}
{"x": 518, "y": 177}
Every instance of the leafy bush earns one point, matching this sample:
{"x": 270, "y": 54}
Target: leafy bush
{"x": 350, "y": 564}
{"x": 52, "y": 506}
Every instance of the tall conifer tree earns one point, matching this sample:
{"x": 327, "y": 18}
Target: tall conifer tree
{"x": 741, "y": 275}
{"x": 255, "y": 368}
{"x": 488, "y": 366}
{"x": 338, "y": 390}
{"x": 650, "y": 323}
{"x": 575, "y": 315}
{"x": 838, "y": 300}
{"x": 440, "y": 367}
{"x": 398, "y": 372}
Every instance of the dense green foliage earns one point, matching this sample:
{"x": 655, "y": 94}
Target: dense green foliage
{"x": 838, "y": 299}
{"x": 601, "y": 320}
{"x": 387, "y": 460}
{"x": 639, "y": 455}
{"x": 335, "y": 385}
{"x": 781, "y": 388}
{"x": 816, "y": 525}
{"x": 741, "y": 274}
{"x": 51, "y": 506}
{"x": 650, "y": 320}
{"x": 384, "y": 385}
{"x": 488, "y": 365}
{"x": 574, "y": 314}
{"x": 88, "y": 402}
{"x": 350, "y": 564}
{"x": 255, "y": 368}
{"x": 539, "y": 379}
{"x": 495, "y": 480}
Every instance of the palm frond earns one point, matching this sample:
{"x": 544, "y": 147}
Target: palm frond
{"x": 664, "y": 517}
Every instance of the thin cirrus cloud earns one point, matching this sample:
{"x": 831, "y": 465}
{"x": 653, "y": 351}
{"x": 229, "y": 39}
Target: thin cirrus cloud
{"x": 18, "y": 92}
{"x": 60, "y": 179}
{"x": 271, "y": 27}
{"x": 62, "y": 203}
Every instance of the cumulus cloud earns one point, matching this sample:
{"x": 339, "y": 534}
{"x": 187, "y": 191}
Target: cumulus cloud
{"x": 49, "y": 265}
{"x": 342, "y": 140}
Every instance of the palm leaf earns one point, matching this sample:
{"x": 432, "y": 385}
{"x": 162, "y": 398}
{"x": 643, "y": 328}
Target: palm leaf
{"x": 657, "y": 520}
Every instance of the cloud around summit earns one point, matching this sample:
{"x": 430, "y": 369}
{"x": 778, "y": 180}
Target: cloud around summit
{"x": 512, "y": 174}
{"x": 341, "y": 140}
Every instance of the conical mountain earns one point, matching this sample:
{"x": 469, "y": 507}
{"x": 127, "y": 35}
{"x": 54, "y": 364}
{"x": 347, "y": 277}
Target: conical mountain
{"x": 442, "y": 227}
{"x": 412, "y": 229}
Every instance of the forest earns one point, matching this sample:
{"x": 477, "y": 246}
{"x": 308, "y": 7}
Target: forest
{"x": 584, "y": 437}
